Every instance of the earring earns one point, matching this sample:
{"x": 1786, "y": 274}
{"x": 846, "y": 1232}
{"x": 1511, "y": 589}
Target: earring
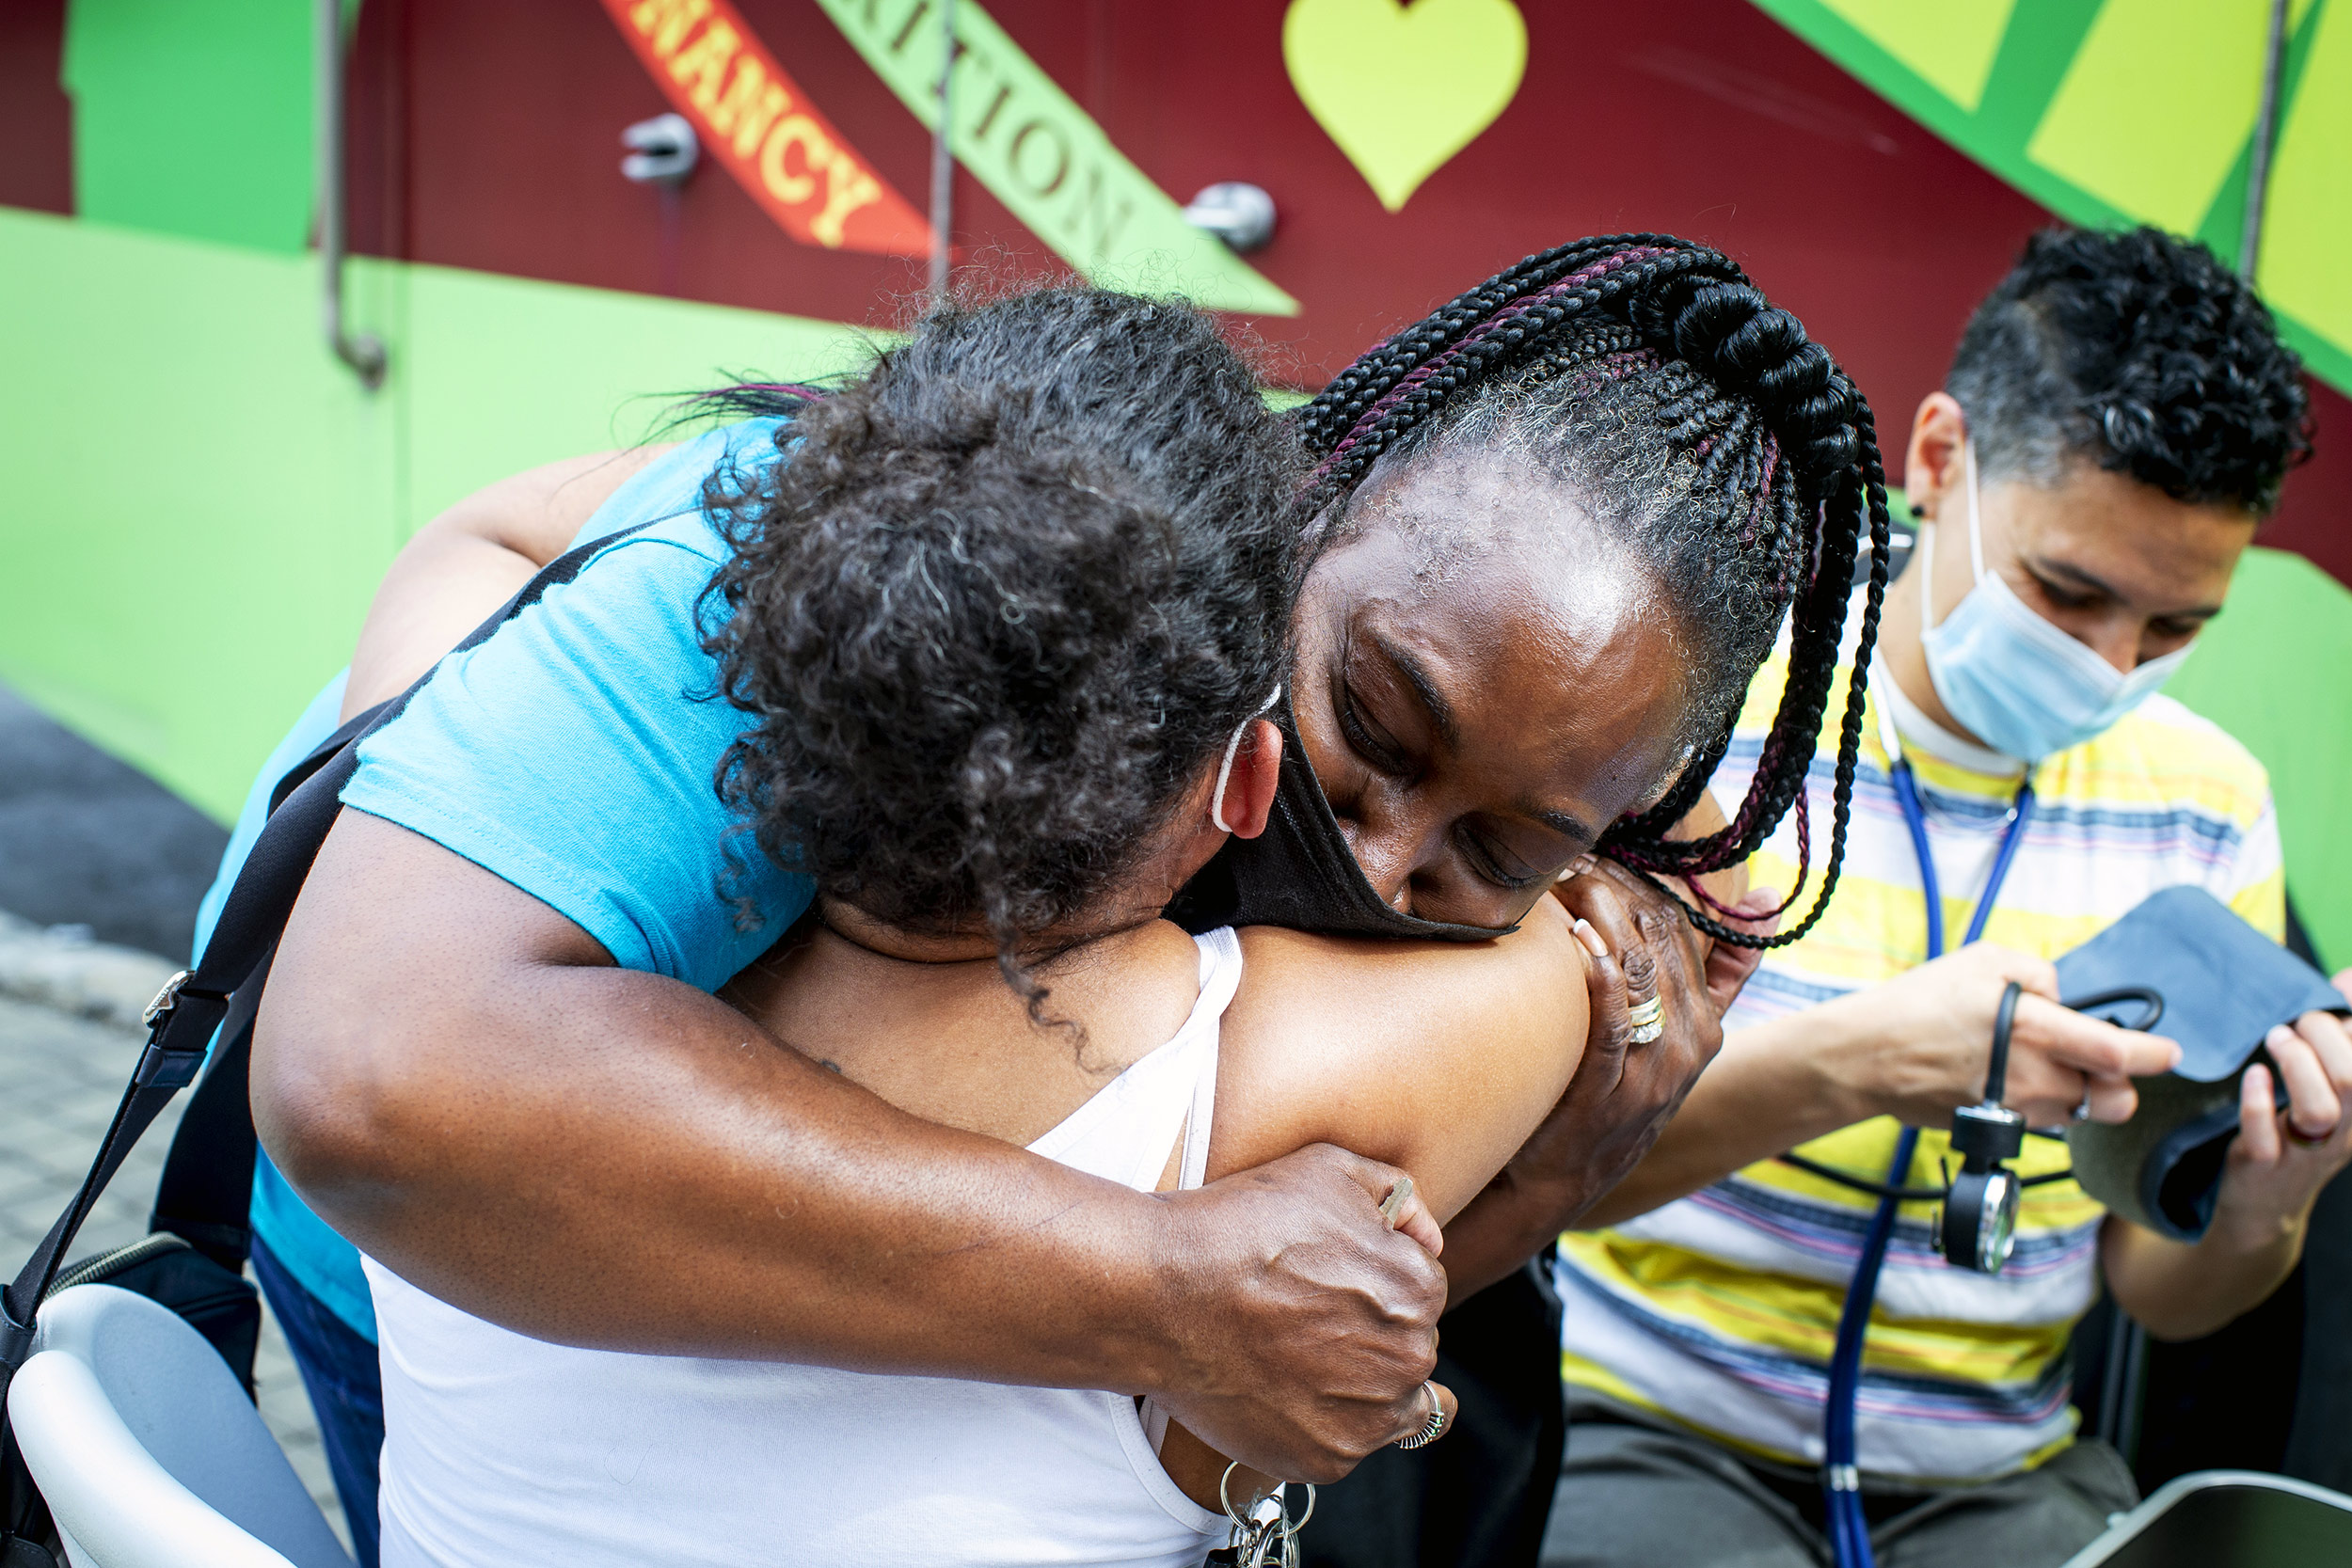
{"x": 1918, "y": 511}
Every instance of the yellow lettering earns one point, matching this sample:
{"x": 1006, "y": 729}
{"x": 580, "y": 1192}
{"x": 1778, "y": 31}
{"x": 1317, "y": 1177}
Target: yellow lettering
{"x": 848, "y": 188}
{"x": 703, "y": 64}
{"x": 751, "y": 105}
{"x": 789, "y": 188}
{"x": 666, "y": 22}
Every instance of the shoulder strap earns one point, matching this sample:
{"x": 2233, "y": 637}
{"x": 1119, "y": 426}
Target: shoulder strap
{"x": 208, "y": 1177}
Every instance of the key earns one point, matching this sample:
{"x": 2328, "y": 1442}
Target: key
{"x": 1254, "y": 1545}
{"x": 1263, "y": 1535}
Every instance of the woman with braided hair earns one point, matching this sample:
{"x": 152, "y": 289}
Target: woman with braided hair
{"x": 1713, "y": 454}
{"x": 1554, "y": 528}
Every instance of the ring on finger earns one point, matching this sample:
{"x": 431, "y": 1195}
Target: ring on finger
{"x": 1648, "y": 1019}
{"x": 1430, "y": 1429}
{"x": 2308, "y": 1140}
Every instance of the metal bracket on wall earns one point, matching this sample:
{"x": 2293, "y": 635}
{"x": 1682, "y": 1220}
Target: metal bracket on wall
{"x": 662, "y": 150}
{"x": 363, "y": 352}
{"x": 1240, "y": 214}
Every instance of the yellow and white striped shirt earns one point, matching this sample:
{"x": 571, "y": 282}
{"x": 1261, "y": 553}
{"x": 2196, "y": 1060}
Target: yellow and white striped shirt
{"x": 1718, "y": 1311}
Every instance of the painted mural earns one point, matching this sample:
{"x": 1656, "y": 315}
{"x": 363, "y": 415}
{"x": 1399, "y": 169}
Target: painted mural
{"x": 201, "y": 496}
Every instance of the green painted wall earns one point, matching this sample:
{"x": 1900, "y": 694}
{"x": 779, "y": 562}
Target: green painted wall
{"x": 2112, "y": 112}
{"x": 2275, "y": 670}
{"x": 192, "y": 116}
{"x": 201, "y": 498}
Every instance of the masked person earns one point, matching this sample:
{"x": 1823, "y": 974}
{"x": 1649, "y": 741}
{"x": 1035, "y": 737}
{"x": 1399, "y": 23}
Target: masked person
{"x": 2117, "y": 418}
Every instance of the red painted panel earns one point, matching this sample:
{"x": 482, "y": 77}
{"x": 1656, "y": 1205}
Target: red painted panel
{"x": 1703, "y": 118}
{"x": 2314, "y": 517}
{"x": 507, "y": 118}
{"x": 36, "y": 115}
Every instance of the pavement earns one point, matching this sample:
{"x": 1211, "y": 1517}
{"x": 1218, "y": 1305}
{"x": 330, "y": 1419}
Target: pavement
{"x": 86, "y": 840}
{"x": 60, "y": 1078}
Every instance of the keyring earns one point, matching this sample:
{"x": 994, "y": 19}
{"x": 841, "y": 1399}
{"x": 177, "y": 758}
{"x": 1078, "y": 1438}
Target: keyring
{"x": 1251, "y": 1534}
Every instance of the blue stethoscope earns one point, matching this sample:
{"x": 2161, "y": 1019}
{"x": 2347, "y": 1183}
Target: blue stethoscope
{"x": 1976, "y": 1222}
{"x": 1841, "y": 1480}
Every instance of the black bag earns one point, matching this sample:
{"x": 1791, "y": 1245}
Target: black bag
{"x": 1484, "y": 1495}
{"x": 193, "y": 1262}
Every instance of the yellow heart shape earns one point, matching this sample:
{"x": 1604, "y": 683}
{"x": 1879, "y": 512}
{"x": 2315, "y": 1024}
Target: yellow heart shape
{"x": 1403, "y": 88}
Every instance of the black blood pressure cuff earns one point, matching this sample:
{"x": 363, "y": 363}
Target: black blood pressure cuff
{"x": 2225, "y": 986}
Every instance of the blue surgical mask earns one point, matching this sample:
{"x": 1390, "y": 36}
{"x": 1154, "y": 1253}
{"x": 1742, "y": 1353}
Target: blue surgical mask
{"x": 2021, "y": 685}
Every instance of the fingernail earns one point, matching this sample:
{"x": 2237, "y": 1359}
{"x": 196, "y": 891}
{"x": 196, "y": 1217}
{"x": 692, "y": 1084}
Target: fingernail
{"x": 1582, "y": 864}
{"x": 1590, "y": 938}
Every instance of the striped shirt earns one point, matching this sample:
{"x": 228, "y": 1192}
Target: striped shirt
{"x": 1718, "y": 1311}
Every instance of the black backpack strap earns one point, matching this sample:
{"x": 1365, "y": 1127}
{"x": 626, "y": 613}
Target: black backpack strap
{"x": 207, "y": 1184}
{"x": 203, "y": 1196}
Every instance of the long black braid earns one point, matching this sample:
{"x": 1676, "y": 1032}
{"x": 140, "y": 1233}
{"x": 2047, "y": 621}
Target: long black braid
{"x": 1787, "y": 476}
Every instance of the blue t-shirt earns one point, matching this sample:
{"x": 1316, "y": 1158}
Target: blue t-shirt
{"x": 575, "y": 756}
{"x": 575, "y": 753}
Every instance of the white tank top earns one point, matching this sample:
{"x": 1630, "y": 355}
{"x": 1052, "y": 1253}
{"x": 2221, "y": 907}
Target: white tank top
{"x": 502, "y": 1450}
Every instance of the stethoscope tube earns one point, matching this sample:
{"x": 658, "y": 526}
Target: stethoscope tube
{"x": 1841, "y": 1481}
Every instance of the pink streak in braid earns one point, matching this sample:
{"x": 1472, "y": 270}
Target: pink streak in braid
{"x": 1626, "y": 362}
{"x": 1700, "y": 895}
{"x": 1698, "y": 889}
{"x": 1496, "y": 323}
{"x": 1764, "y": 493}
{"x": 1775, "y": 747}
{"x": 1767, "y": 761}
{"x": 789, "y": 389}
{"x": 1804, "y": 850}
{"x": 1749, "y": 534}
{"x": 1629, "y": 855}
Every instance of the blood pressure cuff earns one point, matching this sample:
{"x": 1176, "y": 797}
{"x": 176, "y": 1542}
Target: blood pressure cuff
{"x": 2225, "y": 986}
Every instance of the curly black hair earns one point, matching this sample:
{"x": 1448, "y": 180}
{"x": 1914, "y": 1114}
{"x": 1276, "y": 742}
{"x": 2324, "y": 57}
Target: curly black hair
{"x": 1703, "y": 427}
{"x": 997, "y": 606}
{"x": 2138, "y": 351}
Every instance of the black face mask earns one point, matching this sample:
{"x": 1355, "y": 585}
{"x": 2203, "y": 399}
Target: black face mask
{"x": 1299, "y": 872}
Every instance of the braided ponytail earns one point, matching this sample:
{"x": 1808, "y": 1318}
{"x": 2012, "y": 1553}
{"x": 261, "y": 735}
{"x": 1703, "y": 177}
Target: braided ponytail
{"x": 1776, "y": 476}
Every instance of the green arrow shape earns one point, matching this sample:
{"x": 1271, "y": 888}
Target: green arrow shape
{"x": 1047, "y": 160}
